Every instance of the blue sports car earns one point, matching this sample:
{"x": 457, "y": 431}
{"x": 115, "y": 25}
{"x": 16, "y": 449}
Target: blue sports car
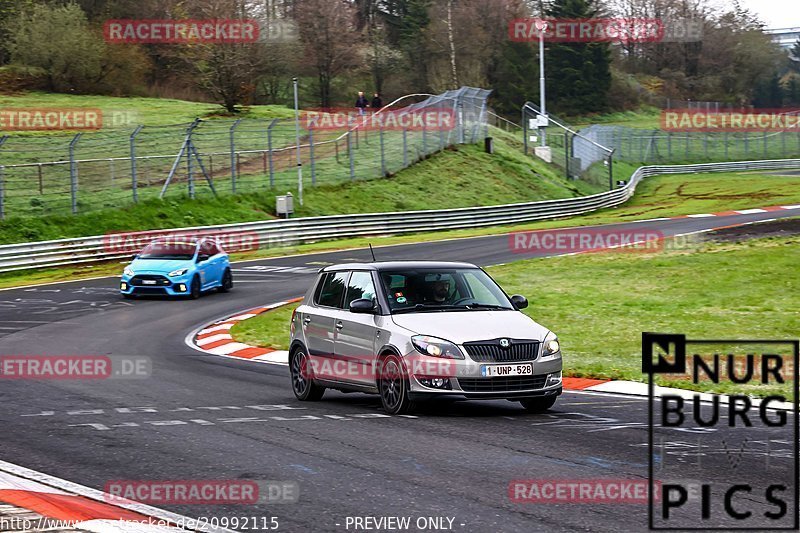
{"x": 177, "y": 268}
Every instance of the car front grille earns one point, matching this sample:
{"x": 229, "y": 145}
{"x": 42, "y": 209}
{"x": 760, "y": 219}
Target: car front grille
{"x": 502, "y": 384}
{"x": 146, "y": 291}
{"x": 139, "y": 280}
{"x": 493, "y": 352}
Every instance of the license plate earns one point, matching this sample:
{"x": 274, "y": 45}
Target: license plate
{"x": 492, "y": 371}
{"x": 148, "y": 282}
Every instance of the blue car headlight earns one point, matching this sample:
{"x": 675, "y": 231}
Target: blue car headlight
{"x": 128, "y": 271}
{"x": 177, "y": 273}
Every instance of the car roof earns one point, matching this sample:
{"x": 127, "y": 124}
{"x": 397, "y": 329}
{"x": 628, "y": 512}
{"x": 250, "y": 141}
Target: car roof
{"x": 182, "y": 240}
{"x": 382, "y": 266}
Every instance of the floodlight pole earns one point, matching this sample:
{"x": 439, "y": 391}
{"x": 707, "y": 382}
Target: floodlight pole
{"x": 541, "y": 25}
{"x": 297, "y": 136}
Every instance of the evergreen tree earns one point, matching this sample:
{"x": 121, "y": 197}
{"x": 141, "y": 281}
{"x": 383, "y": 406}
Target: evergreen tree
{"x": 578, "y": 74}
{"x": 407, "y": 21}
{"x": 514, "y": 77}
{"x": 793, "y": 91}
{"x": 768, "y": 93}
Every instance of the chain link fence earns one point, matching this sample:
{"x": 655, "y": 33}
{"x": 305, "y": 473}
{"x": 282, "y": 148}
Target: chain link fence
{"x": 44, "y": 174}
{"x": 658, "y": 146}
{"x": 579, "y": 156}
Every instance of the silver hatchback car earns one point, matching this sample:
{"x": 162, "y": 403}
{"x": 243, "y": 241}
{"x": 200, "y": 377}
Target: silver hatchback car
{"x": 412, "y": 331}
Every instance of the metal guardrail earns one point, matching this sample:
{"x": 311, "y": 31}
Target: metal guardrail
{"x": 96, "y": 249}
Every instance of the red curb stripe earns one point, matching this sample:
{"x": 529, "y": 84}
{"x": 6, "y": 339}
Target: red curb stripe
{"x": 216, "y": 344}
{"x": 581, "y": 383}
{"x": 67, "y": 507}
{"x": 726, "y": 213}
{"x": 252, "y": 351}
{"x": 773, "y": 208}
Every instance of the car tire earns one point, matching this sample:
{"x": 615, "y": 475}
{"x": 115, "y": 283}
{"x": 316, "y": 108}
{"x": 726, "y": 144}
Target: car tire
{"x": 129, "y": 296}
{"x": 393, "y": 386}
{"x": 195, "y": 289}
{"x": 303, "y": 386}
{"x": 538, "y": 405}
{"x": 227, "y": 281}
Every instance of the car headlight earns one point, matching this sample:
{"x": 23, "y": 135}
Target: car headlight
{"x": 551, "y": 344}
{"x": 128, "y": 271}
{"x": 436, "y": 347}
{"x": 179, "y": 272}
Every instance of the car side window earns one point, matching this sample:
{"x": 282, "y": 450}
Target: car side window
{"x": 360, "y": 286}
{"x": 332, "y": 289}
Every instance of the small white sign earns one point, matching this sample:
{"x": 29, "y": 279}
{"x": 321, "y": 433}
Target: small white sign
{"x": 539, "y": 122}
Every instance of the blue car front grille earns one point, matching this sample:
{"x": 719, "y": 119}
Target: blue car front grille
{"x": 140, "y": 279}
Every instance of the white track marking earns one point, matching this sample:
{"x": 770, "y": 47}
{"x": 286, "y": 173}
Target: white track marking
{"x": 55, "y": 483}
{"x": 227, "y": 349}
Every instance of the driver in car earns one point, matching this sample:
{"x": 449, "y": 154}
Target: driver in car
{"x": 438, "y": 291}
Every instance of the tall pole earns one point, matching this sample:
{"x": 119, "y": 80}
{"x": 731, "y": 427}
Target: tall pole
{"x": 297, "y": 136}
{"x": 541, "y": 25}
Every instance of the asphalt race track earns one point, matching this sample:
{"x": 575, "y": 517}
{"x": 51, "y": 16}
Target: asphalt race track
{"x": 205, "y": 417}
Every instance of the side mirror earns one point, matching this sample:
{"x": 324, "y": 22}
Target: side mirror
{"x": 519, "y": 301}
{"x": 362, "y": 305}
{"x": 202, "y": 257}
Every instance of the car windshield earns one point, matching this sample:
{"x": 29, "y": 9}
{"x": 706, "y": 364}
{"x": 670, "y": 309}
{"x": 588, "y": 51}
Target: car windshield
{"x": 463, "y": 289}
{"x": 169, "y": 250}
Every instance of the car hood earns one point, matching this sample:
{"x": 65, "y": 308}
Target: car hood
{"x": 159, "y": 266}
{"x": 466, "y": 326}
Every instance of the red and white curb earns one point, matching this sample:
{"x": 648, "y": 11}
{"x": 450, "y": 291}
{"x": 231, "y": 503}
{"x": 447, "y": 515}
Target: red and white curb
{"x": 59, "y": 505}
{"x": 730, "y": 213}
{"x": 216, "y": 339}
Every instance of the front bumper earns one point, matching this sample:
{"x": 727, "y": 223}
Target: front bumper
{"x": 133, "y": 285}
{"x": 464, "y": 379}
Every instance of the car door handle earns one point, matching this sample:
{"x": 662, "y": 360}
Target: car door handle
{"x": 307, "y": 320}
{"x": 339, "y": 325}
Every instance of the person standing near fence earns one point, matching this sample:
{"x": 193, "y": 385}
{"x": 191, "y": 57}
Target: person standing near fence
{"x": 362, "y": 103}
{"x": 377, "y": 102}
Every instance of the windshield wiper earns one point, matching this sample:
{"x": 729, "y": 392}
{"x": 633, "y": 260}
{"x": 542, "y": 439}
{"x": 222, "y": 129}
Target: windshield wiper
{"x": 427, "y": 307}
{"x": 486, "y": 306}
